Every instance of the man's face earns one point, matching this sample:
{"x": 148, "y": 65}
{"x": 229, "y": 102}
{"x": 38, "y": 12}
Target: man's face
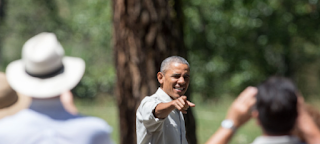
{"x": 176, "y": 80}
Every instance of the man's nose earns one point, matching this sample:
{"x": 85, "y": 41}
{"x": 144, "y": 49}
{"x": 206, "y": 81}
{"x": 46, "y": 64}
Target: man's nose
{"x": 181, "y": 80}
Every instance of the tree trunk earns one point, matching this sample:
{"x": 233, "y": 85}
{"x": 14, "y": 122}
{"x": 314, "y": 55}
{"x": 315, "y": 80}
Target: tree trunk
{"x": 2, "y": 14}
{"x": 145, "y": 33}
{"x": 190, "y": 126}
{"x": 2, "y": 11}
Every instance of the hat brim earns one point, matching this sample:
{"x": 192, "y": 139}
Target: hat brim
{"x": 35, "y": 87}
{"x": 23, "y": 102}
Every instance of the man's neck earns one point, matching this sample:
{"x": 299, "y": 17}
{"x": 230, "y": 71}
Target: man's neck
{"x": 51, "y": 107}
{"x": 166, "y": 94}
{"x": 264, "y": 133}
{"x": 39, "y": 103}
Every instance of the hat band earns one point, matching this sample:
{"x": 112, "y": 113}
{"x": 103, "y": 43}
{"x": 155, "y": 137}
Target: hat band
{"x": 49, "y": 75}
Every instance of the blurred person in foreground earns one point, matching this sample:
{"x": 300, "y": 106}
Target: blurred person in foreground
{"x": 44, "y": 73}
{"x": 278, "y": 109}
{"x": 160, "y": 116}
{"x": 10, "y": 101}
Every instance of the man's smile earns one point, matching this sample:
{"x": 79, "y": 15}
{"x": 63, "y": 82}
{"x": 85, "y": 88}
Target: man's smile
{"x": 179, "y": 89}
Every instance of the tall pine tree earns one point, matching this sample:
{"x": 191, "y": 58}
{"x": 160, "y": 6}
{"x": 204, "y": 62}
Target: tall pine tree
{"x": 145, "y": 33}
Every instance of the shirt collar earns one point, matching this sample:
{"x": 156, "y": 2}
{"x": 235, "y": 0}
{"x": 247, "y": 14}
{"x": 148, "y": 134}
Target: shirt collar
{"x": 163, "y": 96}
{"x": 51, "y": 107}
{"x": 273, "y": 139}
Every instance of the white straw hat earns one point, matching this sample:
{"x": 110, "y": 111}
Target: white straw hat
{"x": 44, "y": 71}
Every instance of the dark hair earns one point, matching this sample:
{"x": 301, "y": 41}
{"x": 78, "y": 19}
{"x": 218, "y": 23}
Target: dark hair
{"x": 277, "y": 105}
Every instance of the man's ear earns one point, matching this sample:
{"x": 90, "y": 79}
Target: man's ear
{"x": 255, "y": 115}
{"x": 160, "y": 77}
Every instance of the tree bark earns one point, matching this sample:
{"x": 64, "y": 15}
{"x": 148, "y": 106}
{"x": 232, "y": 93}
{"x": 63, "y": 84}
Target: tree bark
{"x": 2, "y": 4}
{"x": 2, "y": 15}
{"x": 145, "y": 33}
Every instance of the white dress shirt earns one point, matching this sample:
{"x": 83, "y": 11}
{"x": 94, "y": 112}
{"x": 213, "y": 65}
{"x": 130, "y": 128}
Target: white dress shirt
{"x": 47, "y": 122}
{"x": 151, "y": 130}
{"x": 277, "y": 140}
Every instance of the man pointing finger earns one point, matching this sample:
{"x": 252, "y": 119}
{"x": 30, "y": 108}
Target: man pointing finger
{"x": 159, "y": 117}
{"x": 182, "y": 104}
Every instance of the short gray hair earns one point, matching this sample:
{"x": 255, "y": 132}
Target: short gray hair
{"x": 166, "y": 63}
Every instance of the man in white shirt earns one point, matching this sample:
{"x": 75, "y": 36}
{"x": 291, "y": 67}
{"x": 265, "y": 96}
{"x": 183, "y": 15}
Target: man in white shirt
{"x": 46, "y": 75}
{"x": 277, "y": 108}
{"x": 159, "y": 117}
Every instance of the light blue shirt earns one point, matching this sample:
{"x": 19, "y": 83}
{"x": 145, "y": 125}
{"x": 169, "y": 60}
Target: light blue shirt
{"x": 151, "y": 130}
{"x": 47, "y": 122}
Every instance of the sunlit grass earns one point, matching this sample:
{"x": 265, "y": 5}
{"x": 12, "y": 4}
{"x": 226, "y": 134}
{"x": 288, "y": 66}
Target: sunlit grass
{"x": 208, "y": 118}
{"x": 105, "y": 108}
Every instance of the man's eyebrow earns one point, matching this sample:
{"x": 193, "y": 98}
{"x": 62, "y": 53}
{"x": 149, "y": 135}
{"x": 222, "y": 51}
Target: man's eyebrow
{"x": 186, "y": 75}
{"x": 176, "y": 74}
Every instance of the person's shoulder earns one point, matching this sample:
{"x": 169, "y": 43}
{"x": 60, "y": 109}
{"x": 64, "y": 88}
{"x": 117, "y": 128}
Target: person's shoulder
{"x": 273, "y": 139}
{"x": 92, "y": 123}
{"x": 23, "y": 120}
{"x": 26, "y": 115}
{"x": 149, "y": 99}
{"x": 154, "y": 96}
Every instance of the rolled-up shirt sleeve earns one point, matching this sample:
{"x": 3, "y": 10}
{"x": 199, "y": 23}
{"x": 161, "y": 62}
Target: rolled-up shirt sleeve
{"x": 145, "y": 114}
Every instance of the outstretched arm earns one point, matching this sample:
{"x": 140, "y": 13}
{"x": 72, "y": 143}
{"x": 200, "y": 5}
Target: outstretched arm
{"x": 239, "y": 113}
{"x": 162, "y": 110}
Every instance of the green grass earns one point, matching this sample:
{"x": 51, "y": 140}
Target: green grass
{"x": 208, "y": 118}
{"x": 102, "y": 108}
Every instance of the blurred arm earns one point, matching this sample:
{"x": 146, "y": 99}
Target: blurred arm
{"x": 222, "y": 136}
{"x": 239, "y": 113}
{"x": 162, "y": 110}
{"x": 306, "y": 124}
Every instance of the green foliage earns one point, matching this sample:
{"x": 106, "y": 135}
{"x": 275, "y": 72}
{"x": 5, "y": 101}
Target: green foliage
{"x": 233, "y": 44}
{"x": 83, "y": 28}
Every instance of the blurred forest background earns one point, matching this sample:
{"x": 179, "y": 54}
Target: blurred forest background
{"x": 229, "y": 44}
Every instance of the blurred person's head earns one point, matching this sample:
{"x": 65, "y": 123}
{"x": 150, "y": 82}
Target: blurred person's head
{"x": 44, "y": 71}
{"x": 277, "y": 105}
{"x": 10, "y": 101}
{"x": 174, "y": 76}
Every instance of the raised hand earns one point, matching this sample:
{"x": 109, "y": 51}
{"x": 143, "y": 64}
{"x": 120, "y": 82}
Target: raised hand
{"x": 182, "y": 104}
{"x": 239, "y": 111}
